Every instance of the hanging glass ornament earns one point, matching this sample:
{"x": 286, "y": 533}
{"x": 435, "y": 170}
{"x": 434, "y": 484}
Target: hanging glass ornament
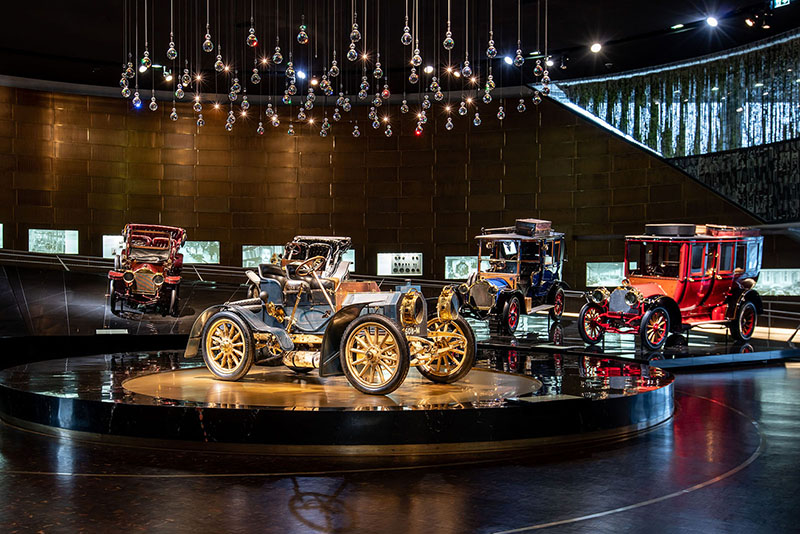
{"x": 309, "y": 105}
{"x": 200, "y": 121}
{"x": 334, "y": 72}
{"x": 269, "y": 112}
{"x": 355, "y": 35}
{"x": 231, "y": 117}
{"x": 356, "y": 131}
{"x": 545, "y": 89}
{"x": 490, "y": 85}
{"x": 328, "y": 89}
{"x": 448, "y": 42}
{"x": 123, "y": 82}
{"x": 326, "y": 125}
{"x": 501, "y": 114}
{"x": 406, "y": 39}
{"x": 197, "y": 106}
{"x": 286, "y": 99}
{"x": 378, "y": 72}
{"x": 466, "y": 70}
{"x": 146, "y": 63}
{"x": 255, "y": 77}
{"x": 413, "y": 77}
{"x": 364, "y": 84}
{"x": 311, "y": 96}
{"x": 252, "y": 40}
{"x": 323, "y": 132}
{"x": 538, "y": 70}
{"x": 362, "y": 95}
{"x": 449, "y": 124}
{"x": 404, "y": 107}
{"x": 174, "y": 115}
{"x": 336, "y": 115}
{"x": 179, "y": 94}
{"x": 385, "y": 94}
{"x": 462, "y": 109}
{"x": 232, "y": 96}
{"x": 219, "y": 66}
{"x": 277, "y": 57}
{"x": 208, "y": 46}
{"x": 416, "y": 59}
{"x": 126, "y": 92}
{"x": 302, "y": 36}
{"x": 438, "y": 96}
{"x": 245, "y": 104}
{"x": 352, "y": 55}
{"x": 129, "y": 72}
{"x": 388, "y": 132}
{"x": 292, "y": 89}
{"x": 153, "y": 104}
{"x": 487, "y": 97}
{"x": 171, "y": 52}
{"x": 340, "y": 100}
{"x": 301, "y": 115}
{"x": 347, "y": 106}
{"x": 186, "y": 80}
{"x": 290, "y": 131}
{"x": 372, "y": 114}
{"x": 377, "y": 101}
{"x": 491, "y": 52}
{"x": 276, "y": 121}
{"x": 477, "y": 120}
{"x": 426, "y": 102}
{"x": 290, "y": 72}
{"x": 546, "y": 78}
{"x": 418, "y": 130}
{"x": 229, "y": 126}
{"x": 434, "y": 84}
{"x": 518, "y": 59}
{"x": 376, "y": 124}
{"x": 423, "y": 117}
{"x": 521, "y": 106}
{"x": 260, "y": 129}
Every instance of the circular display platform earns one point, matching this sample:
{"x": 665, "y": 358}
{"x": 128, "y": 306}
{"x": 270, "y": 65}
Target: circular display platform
{"x": 163, "y": 400}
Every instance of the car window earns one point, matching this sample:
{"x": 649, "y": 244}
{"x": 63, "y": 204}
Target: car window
{"x": 726, "y": 257}
{"x": 634, "y": 257}
{"x": 698, "y": 254}
{"x": 741, "y": 258}
{"x": 711, "y": 254}
{"x": 657, "y": 258}
{"x": 752, "y": 256}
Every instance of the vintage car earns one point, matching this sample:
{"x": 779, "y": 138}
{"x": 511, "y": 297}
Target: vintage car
{"x": 309, "y": 314}
{"x": 678, "y": 276}
{"x": 519, "y": 272}
{"x": 147, "y": 272}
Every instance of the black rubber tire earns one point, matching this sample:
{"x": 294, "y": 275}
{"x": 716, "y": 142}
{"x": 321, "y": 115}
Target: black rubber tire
{"x": 112, "y": 298}
{"x": 557, "y": 311}
{"x": 510, "y": 323}
{"x": 675, "y": 229}
{"x": 402, "y": 349}
{"x": 247, "y": 349}
{"x": 740, "y": 332}
{"x": 644, "y": 327}
{"x": 587, "y": 336}
{"x": 174, "y": 301}
{"x": 469, "y": 354}
{"x": 299, "y": 370}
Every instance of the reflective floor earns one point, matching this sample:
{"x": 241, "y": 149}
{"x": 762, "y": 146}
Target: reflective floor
{"x": 726, "y": 462}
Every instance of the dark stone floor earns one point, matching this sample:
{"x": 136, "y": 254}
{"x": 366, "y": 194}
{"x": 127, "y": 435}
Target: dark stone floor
{"x": 727, "y": 462}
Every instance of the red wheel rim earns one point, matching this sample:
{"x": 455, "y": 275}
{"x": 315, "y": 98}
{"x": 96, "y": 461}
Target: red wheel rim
{"x": 558, "y": 304}
{"x": 657, "y": 328}
{"x": 747, "y": 322}
{"x": 513, "y": 314}
{"x": 590, "y": 323}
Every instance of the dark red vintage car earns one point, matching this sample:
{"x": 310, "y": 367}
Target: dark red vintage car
{"x": 678, "y": 276}
{"x": 147, "y": 273}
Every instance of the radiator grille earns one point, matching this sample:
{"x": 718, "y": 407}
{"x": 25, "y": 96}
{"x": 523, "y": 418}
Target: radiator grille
{"x": 143, "y": 282}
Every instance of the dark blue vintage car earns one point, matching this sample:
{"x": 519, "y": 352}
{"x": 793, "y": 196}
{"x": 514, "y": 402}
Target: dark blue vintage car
{"x": 306, "y": 312}
{"x": 519, "y": 272}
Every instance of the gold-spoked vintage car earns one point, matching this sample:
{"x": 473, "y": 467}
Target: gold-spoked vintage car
{"x": 308, "y": 314}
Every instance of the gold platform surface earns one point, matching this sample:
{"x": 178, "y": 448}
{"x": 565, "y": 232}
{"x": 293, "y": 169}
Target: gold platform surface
{"x": 282, "y": 388}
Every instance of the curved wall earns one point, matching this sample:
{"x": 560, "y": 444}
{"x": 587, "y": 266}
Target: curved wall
{"x": 90, "y": 163}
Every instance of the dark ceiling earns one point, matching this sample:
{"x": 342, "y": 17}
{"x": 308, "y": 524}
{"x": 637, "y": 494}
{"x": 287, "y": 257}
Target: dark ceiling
{"x": 79, "y": 41}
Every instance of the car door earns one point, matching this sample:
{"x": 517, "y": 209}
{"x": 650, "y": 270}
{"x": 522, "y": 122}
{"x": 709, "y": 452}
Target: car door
{"x": 700, "y": 278}
{"x": 723, "y": 275}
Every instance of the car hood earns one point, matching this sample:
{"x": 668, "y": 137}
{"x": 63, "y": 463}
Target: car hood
{"x": 650, "y": 290}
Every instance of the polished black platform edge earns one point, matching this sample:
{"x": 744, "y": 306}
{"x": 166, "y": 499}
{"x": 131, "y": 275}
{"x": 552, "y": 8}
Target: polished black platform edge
{"x": 87, "y": 401}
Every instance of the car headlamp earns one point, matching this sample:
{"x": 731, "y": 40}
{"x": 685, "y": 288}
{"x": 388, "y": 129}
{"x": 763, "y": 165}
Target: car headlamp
{"x": 158, "y": 279}
{"x": 599, "y": 295}
{"x": 128, "y": 277}
{"x": 412, "y": 309}
{"x": 632, "y": 298}
{"x": 447, "y": 306}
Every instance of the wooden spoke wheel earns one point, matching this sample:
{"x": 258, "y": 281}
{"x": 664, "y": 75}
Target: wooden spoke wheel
{"x": 227, "y": 346}
{"x": 558, "y": 305}
{"x": 455, "y": 351}
{"x": 511, "y": 313}
{"x": 654, "y": 328}
{"x": 744, "y": 324}
{"x": 374, "y": 354}
{"x": 589, "y": 325}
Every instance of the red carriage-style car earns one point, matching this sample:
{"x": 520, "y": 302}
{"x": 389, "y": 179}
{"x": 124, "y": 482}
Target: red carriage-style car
{"x": 147, "y": 272}
{"x": 679, "y": 276}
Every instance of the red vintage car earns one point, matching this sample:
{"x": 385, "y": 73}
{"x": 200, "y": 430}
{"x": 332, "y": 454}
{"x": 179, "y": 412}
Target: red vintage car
{"x": 679, "y": 276}
{"x": 147, "y": 272}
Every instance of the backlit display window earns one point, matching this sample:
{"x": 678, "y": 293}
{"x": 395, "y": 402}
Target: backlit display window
{"x": 53, "y": 241}
{"x": 201, "y": 252}
{"x": 604, "y": 273}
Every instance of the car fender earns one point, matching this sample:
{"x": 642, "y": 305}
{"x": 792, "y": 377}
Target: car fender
{"x": 747, "y": 295}
{"x": 557, "y": 284}
{"x": 505, "y": 295}
{"x": 329, "y": 362}
{"x": 674, "y": 311}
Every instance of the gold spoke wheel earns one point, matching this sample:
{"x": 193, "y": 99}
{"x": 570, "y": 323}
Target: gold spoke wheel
{"x": 374, "y": 354}
{"x": 227, "y": 347}
{"x": 455, "y": 350}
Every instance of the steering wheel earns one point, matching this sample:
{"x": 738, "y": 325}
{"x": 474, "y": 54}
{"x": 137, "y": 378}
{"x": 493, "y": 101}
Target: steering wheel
{"x": 292, "y": 249}
{"x": 310, "y": 265}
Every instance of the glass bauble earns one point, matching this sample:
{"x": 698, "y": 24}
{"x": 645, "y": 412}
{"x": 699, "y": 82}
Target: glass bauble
{"x": 388, "y": 132}
{"x": 477, "y": 120}
{"x": 413, "y": 77}
{"x": 252, "y": 40}
{"x": 171, "y": 52}
{"x": 355, "y": 35}
{"x": 255, "y": 78}
{"x": 153, "y": 104}
{"x": 538, "y": 70}
{"x": 229, "y": 126}
{"x": 336, "y": 115}
{"x": 416, "y": 59}
{"x": 269, "y": 112}
{"x": 334, "y": 72}
{"x": 301, "y": 115}
{"x": 197, "y": 106}
{"x": 378, "y": 72}
{"x": 286, "y": 99}
{"x": 290, "y": 131}
{"x": 356, "y": 131}
{"x": 462, "y": 109}
{"x": 200, "y": 121}
{"x": 426, "y": 102}
{"x": 449, "y": 124}
{"x": 245, "y": 104}
{"x": 466, "y": 70}
{"x": 302, "y": 36}
{"x": 260, "y": 129}
{"x": 347, "y": 106}
{"x": 277, "y": 57}
{"x": 404, "y": 107}
{"x": 521, "y": 106}
{"x": 146, "y": 63}
{"x": 352, "y": 55}
{"x": 219, "y": 66}
{"x": 448, "y": 42}
{"x": 179, "y": 93}
{"x": 406, "y": 39}
{"x": 186, "y": 80}
{"x": 385, "y": 94}
{"x": 491, "y": 51}
{"x": 126, "y": 92}
{"x": 174, "y": 115}
{"x": 376, "y": 124}
{"x": 487, "y": 97}
{"x": 438, "y": 96}
{"x": 362, "y": 95}
{"x": 501, "y": 114}
{"x": 208, "y": 46}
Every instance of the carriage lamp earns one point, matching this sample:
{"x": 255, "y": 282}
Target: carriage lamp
{"x": 158, "y": 279}
{"x": 599, "y": 295}
{"x": 412, "y": 309}
{"x": 128, "y": 277}
{"x": 632, "y": 298}
{"x": 447, "y": 305}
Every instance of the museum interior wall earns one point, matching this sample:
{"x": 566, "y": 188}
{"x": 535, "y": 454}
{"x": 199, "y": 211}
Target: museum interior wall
{"x": 91, "y": 164}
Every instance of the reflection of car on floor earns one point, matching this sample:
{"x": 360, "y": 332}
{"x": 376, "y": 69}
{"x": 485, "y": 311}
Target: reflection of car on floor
{"x": 308, "y": 313}
{"x": 679, "y": 276}
{"x": 147, "y": 272}
{"x": 519, "y": 272}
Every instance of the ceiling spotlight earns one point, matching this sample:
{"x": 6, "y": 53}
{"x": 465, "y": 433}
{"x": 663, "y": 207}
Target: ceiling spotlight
{"x": 386, "y": 119}
{"x": 549, "y": 62}
{"x": 508, "y": 60}
{"x": 311, "y": 120}
{"x": 712, "y": 21}
{"x": 676, "y": 26}
{"x": 314, "y": 81}
{"x": 750, "y": 21}
{"x": 142, "y": 68}
{"x": 457, "y": 73}
{"x": 449, "y": 69}
{"x": 264, "y": 61}
{"x": 364, "y": 56}
{"x": 227, "y": 68}
{"x": 243, "y": 113}
{"x": 428, "y": 69}
{"x": 596, "y": 47}
{"x": 469, "y": 100}
{"x": 216, "y": 105}
{"x": 301, "y": 74}
{"x": 473, "y": 80}
{"x": 198, "y": 77}
{"x": 447, "y": 109}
